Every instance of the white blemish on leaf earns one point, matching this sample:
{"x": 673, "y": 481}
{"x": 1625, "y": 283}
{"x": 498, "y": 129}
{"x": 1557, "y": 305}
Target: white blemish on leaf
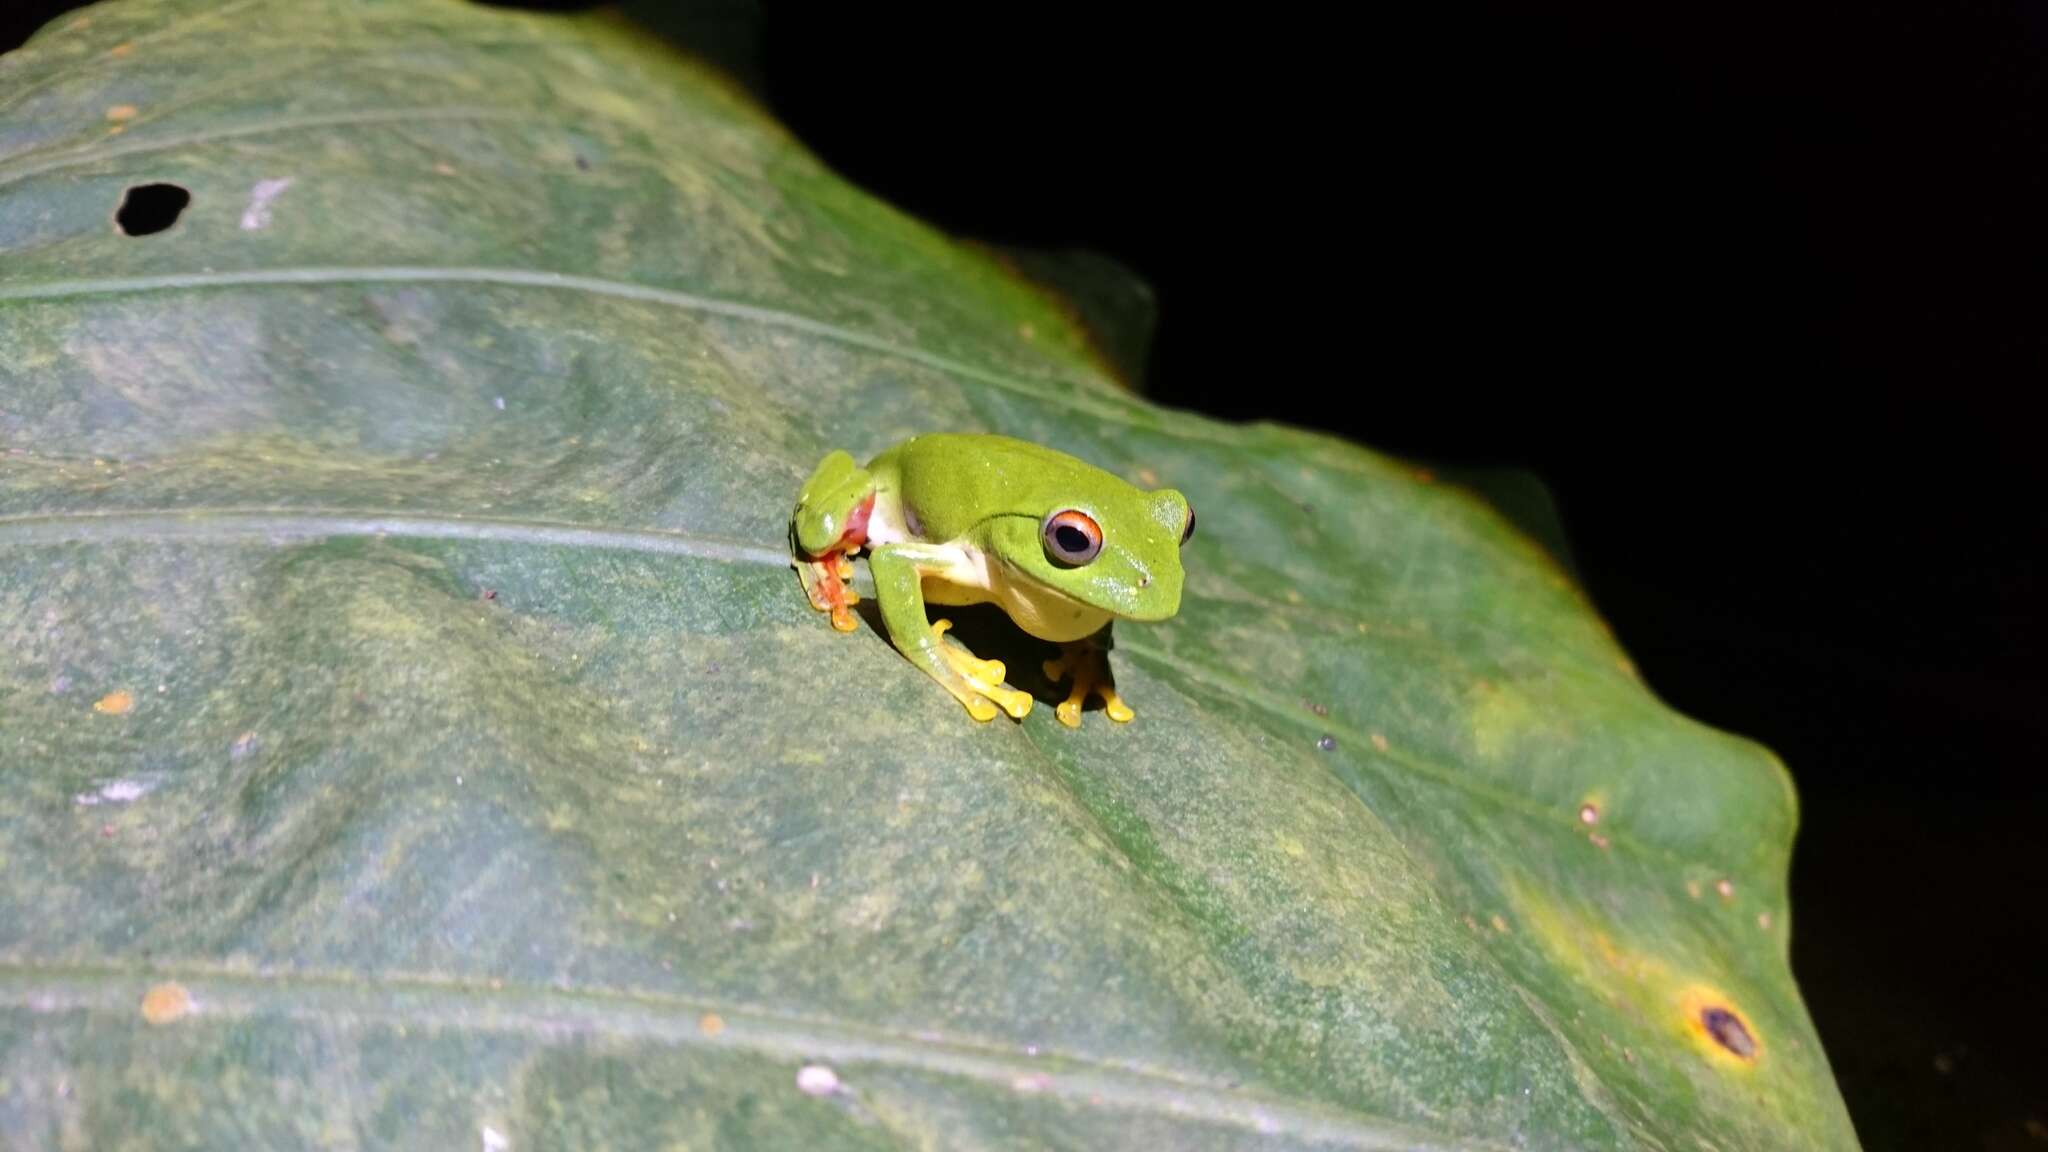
{"x": 257, "y": 215}
{"x": 817, "y": 1080}
{"x": 115, "y": 792}
{"x": 495, "y": 1141}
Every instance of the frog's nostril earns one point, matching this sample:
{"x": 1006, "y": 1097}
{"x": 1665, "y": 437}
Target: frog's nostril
{"x": 1145, "y": 583}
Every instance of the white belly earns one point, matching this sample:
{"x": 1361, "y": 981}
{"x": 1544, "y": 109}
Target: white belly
{"x": 967, "y": 576}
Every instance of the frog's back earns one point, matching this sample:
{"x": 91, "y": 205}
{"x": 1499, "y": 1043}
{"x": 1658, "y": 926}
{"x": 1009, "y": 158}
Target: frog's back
{"x": 953, "y": 480}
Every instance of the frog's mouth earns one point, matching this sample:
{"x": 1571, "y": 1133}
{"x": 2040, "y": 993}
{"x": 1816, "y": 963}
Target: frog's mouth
{"x": 1140, "y": 608}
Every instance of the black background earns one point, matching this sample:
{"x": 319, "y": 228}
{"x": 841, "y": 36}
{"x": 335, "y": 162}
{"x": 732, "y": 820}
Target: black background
{"x": 1757, "y": 292}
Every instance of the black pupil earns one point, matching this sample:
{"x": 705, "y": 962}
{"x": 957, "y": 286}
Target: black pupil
{"x": 1188, "y": 533}
{"x": 1070, "y": 538}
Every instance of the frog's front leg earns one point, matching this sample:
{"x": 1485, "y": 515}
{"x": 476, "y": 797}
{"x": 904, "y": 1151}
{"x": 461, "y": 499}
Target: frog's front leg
{"x": 899, "y": 571}
{"x": 1088, "y": 662}
{"x": 829, "y": 523}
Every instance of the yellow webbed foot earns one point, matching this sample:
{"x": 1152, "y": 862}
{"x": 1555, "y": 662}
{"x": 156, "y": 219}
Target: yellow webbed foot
{"x": 1089, "y": 666}
{"x": 978, "y": 681}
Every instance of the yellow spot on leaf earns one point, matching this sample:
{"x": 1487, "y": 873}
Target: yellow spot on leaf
{"x": 121, "y": 112}
{"x": 164, "y": 1003}
{"x": 1500, "y": 716}
{"x": 1718, "y": 1028}
{"x": 121, "y": 51}
{"x": 117, "y": 703}
{"x": 710, "y": 1024}
{"x": 1642, "y": 984}
{"x": 1379, "y": 742}
{"x": 1500, "y": 924}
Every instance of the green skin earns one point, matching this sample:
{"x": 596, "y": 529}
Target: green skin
{"x": 964, "y": 519}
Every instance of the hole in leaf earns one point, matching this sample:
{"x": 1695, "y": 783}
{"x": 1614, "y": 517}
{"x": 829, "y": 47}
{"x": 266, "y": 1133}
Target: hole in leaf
{"x": 1728, "y": 1031}
{"x": 147, "y": 209}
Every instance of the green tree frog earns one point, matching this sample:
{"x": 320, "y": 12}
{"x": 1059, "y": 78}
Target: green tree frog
{"x": 1059, "y": 545}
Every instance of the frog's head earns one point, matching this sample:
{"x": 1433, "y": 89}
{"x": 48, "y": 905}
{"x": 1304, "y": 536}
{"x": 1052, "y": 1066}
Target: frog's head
{"x": 1118, "y": 551}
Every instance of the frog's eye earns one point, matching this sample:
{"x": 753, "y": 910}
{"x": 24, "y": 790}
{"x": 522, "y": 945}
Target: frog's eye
{"x": 1071, "y": 537}
{"x": 1188, "y": 533}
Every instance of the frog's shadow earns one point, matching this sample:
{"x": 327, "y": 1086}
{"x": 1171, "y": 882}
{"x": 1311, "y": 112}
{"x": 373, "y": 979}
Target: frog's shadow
{"x": 990, "y": 634}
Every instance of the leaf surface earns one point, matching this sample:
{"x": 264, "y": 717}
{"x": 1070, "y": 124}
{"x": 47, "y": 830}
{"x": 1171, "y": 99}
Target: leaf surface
{"x": 413, "y": 735}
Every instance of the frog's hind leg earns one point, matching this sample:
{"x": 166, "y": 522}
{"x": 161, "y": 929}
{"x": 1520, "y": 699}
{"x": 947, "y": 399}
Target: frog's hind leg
{"x": 1087, "y": 661}
{"x": 829, "y": 522}
{"x": 976, "y": 683}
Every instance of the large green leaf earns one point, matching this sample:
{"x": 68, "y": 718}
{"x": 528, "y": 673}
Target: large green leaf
{"x": 413, "y": 736}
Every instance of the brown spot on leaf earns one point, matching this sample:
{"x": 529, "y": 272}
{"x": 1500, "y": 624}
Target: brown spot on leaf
{"x": 119, "y": 702}
{"x": 121, "y": 113}
{"x": 1728, "y": 1030}
{"x": 1499, "y": 923}
{"x": 1719, "y": 1028}
{"x": 710, "y": 1024}
{"x": 164, "y": 1003}
{"x": 121, "y": 51}
{"x": 1379, "y": 742}
{"x": 1726, "y": 888}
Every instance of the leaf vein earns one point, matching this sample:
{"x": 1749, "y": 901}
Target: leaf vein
{"x": 554, "y": 1014}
